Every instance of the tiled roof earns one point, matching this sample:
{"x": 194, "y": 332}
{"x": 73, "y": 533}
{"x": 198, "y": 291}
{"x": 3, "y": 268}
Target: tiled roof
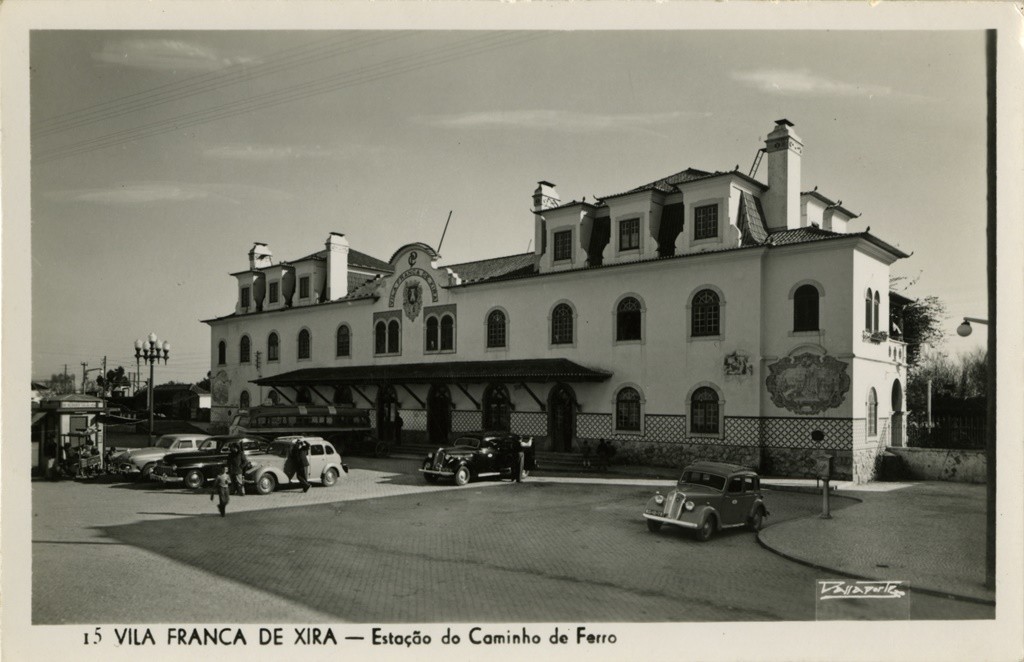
{"x": 494, "y": 267}
{"x": 666, "y": 184}
{"x": 802, "y": 235}
{"x": 533, "y": 370}
{"x": 355, "y": 259}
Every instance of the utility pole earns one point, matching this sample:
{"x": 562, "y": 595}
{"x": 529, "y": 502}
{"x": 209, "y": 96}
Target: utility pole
{"x": 84, "y": 364}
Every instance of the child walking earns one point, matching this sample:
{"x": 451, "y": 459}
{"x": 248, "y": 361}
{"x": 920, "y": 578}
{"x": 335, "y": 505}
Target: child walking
{"x": 222, "y": 488}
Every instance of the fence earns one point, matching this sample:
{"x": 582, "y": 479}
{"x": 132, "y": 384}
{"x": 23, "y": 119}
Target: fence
{"x": 949, "y": 432}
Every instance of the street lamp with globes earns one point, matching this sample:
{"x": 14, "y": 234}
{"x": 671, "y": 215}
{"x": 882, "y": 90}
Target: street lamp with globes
{"x": 965, "y": 329}
{"x": 151, "y": 351}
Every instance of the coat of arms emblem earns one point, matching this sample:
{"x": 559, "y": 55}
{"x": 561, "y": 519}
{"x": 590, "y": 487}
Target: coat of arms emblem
{"x": 413, "y": 299}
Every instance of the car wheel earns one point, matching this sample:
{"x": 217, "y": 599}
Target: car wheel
{"x": 194, "y": 479}
{"x": 381, "y": 449}
{"x": 266, "y": 484}
{"x": 706, "y": 530}
{"x": 757, "y": 520}
{"x": 330, "y": 477}
{"x": 462, "y": 475}
{"x": 653, "y": 526}
{"x": 430, "y": 478}
{"x": 147, "y": 471}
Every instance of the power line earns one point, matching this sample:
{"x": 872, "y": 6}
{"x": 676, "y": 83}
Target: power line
{"x": 270, "y": 99}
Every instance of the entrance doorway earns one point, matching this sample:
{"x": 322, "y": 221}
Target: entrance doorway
{"x": 497, "y": 408}
{"x": 896, "y": 421}
{"x": 439, "y": 414}
{"x": 387, "y": 408}
{"x": 561, "y": 417}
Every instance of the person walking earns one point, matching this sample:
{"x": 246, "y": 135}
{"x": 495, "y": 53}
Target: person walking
{"x": 222, "y": 488}
{"x": 300, "y": 455}
{"x": 585, "y": 451}
{"x": 236, "y": 463}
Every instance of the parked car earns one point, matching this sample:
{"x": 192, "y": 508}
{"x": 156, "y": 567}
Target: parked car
{"x": 197, "y": 467}
{"x": 709, "y": 497}
{"x": 479, "y": 455}
{"x": 140, "y": 462}
{"x": 276, "y": 466}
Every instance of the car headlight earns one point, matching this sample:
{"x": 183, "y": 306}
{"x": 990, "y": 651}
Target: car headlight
{"x": 689, "y": 505}
{"x": 658, "y": 499}
{"x": 430, "y": 456}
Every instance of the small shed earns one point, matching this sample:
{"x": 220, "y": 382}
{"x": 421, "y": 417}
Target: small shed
{"x": 72, "y": 418}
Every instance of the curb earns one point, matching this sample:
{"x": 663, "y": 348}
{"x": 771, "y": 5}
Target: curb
{"x": 939, "y": 593}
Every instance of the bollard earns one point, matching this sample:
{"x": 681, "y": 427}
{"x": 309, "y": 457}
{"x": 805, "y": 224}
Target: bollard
{"x": 825, "y": 514}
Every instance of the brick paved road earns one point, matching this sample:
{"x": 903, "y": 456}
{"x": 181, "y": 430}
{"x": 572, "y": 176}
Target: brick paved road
{"x": 384, "y": 547}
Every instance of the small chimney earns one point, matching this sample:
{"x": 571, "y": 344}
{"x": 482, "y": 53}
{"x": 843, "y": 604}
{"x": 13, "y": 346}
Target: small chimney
{"x": 259, "y": 256}
{"x": 337, "y": 266}
{"x": 545, "y": 197}
{"x": 782, "y": 200}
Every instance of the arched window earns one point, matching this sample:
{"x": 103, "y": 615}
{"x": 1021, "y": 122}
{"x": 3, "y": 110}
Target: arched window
{"x": 274, "y": 398}
{"x": 222, "y": 353}
{"x": 243, "y": 350}
{"x": 302, "y": 396}
{"x": 497, "y": 408}
{"x": 705, "y": 314}
{"x": 704, "y": 411}
{"x": 497, "y": 334}
{"x": 627, "y": 319}
{"x": 243, "y": 400}
{"x": 380, "y": 338}
{"x": 868, "y": 305}
{"x": 561, "y": 325}
{"x": 343, "y": 341}
{"x": 627, "y": 410}
{"x": 304, "y": 344}
{"x": 447, "y": 333}
{"x": 805, "y": 308}
{"x": 273, "y": 348}
{"x": 872, "y": 413}
{"x": 874, "y": 312}
{"x": 393, "y": 337}
{"x": 432, "y": 340}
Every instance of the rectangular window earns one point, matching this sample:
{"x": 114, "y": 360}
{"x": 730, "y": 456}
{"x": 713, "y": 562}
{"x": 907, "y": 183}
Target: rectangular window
{"x": 304, "y": 287}
{"x": 274, "y": 289}
{"x": 629, "y": 234}
{"x": 245, "y": 297}
{"x": 705, "y": 222}
{"x": 563, "y": 245}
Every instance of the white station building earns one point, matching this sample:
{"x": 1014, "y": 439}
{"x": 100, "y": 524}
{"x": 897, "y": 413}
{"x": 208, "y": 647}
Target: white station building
{"x": 705, "y": 315}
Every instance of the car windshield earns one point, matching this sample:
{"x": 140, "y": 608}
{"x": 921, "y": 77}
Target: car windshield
{"x": 469, "y": 442}
{"x": 702, "y": 478}
{"x": 165, "y": 442}
{"x": 208, "y": 445}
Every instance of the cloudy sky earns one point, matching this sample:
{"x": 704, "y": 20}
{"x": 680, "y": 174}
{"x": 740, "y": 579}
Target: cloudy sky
{"x": 160, "y": 157}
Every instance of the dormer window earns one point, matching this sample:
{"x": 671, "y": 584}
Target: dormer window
{"x": 629, "y": 234}
{"x": 563, "y": 245}
{"x": 705, "y": 222}
{"x": 304, "y": 287}
{"x": 274, "y": 292}
{"x": 245, "y": 297}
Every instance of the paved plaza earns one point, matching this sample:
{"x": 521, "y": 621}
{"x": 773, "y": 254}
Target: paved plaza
{"x": 382, "y": 546}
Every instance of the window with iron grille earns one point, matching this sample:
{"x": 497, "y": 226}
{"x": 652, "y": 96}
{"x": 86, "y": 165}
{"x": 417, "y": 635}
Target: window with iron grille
{"x": 561, "y": 325}
{"x": 304, "y": 344}
{"x": 705, "y": 222}
{"x": 563, "y": 245}
{"x": 304, "y": 287}
{"x": 245, "y": 297}
{"x": 243, "y": 350}
{"x": 704, "y": 411}
{"x": 273, "y": 291}
{"x": 344, "y": 341}
{"x": 805, "y": 308}
{"x": 627, "y": 410}
{"x": 496, "y": 330}
{"x": 629, "y": 234}
{"x": 243, "y": 400}
{"x": 705, "y": 312}
{"x": 627, "y": 320}
{"x": 273, "y": 347}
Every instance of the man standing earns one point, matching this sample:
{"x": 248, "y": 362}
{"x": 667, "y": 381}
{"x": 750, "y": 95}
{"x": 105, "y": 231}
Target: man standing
{"x": 300, "y": 453}
{"x": 236, "y": 464}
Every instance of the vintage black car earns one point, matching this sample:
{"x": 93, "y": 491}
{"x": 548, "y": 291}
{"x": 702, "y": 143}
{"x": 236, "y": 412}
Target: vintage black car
{"x": 480, "y": 455}
{"x": 197, "y": 467}
{"x": 709, "y": 497}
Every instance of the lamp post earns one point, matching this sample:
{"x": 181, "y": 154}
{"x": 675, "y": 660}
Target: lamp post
{"x": 151, "y": 351}
{"x": 965, "y": 328}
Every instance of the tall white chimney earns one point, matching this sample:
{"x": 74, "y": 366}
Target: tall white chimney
{"x": 782, "y": 200}
{"x": 544, "y": 197}
{"x": 259, "y": 256}
{"x": 337, "y": 266}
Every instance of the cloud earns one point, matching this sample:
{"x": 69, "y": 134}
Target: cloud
{"x": 802, "y": 81}
{"x": 167, "y": 192}
{"x": 166, "y": 54}
{"x": 557, "y": 120}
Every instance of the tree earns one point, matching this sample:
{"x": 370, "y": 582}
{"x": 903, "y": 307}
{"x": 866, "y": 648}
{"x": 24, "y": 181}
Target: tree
{"x": 921, "y": 322}
{"x": 205, "y": 382}
{"x": 113, "y": 380}
{"x": 61, "y": 383}
{"x": 958, "y": 388}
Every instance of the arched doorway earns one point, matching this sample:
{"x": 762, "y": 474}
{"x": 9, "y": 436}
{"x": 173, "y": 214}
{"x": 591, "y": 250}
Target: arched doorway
{"x": 387, "y": 407}
{"x": 896, "y": 421}
{"x": 497, "y": 408}
{"x": 439, "y": 414}
{"x": 561, "y": 417}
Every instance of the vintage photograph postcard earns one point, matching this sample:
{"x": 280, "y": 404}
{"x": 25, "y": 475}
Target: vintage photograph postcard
{"x": 619, "y": 331}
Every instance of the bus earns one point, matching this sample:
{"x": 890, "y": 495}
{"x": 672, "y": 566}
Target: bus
{"x": 347, "y": 428}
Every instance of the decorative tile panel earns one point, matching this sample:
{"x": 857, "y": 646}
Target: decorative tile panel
{"x": 466, "y": 421}
{"x": 413, "y": 419}
{"x": 533, "y": 423}
{"x": 796, "y": 433}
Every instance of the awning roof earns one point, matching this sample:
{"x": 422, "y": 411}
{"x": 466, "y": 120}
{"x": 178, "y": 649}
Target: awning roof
{"x": 526, "y": 370}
